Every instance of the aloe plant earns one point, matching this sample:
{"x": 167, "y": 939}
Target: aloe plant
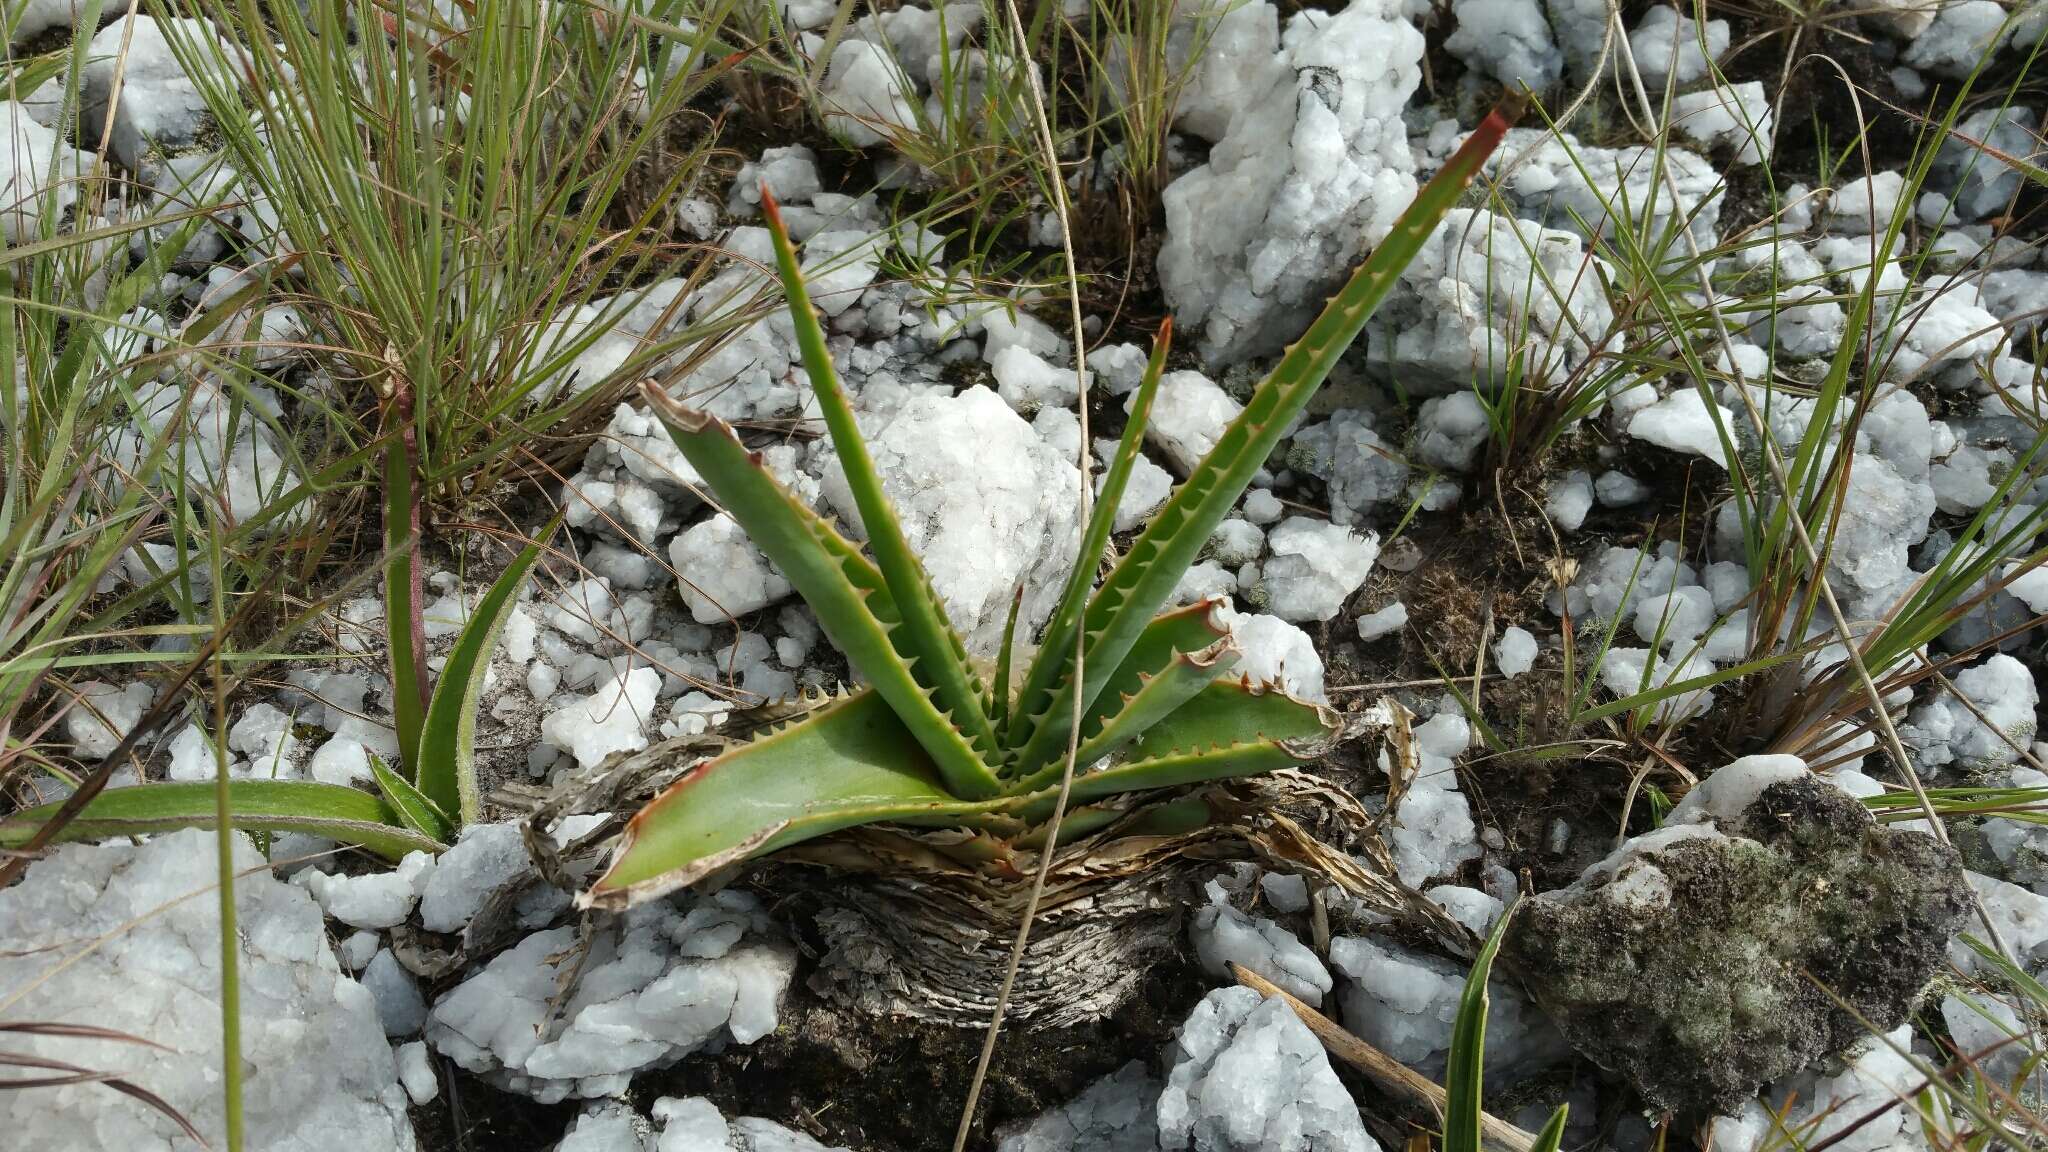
{"x": 418, "y": 809}
{"x": 929, "y": 741}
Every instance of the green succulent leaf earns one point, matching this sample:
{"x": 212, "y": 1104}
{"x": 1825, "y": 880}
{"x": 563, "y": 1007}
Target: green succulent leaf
{"x": 853, "y": 603}
{"x": 326, "y": 810}
{"x": 1152, "y": 696}
{"x": 1146, "y": 576}
{"x": 446, "y": 771}
{"x": 1168, "y": 636}
{"x": 1056, "y": 647}
{"x": 848, "y": 763}
{"x": 1231, "y": 728}
{"x": 1237, "y": 711}
{"x": 935, "y": 654}
{"x": 999, "y": 712}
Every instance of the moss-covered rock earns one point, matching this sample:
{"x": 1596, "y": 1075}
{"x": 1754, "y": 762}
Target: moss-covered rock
{"x": 1693, "y": 961}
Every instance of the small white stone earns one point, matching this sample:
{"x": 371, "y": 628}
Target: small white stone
{"x": 1262, "y": 507}
{"x": 1389, "y": 619}
{"x": 1189, "y": 414}
{"x": 720, "y": 572}
{"x": 615, "y": 718}
{"x": 103, "y": 714}
{"x": 416, "y": 1073}
{"x": 1685, "y": 422}
{"x": 1515, "y": 652}
{"x": 1569, "y": 499}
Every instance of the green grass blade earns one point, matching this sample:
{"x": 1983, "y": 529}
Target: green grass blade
{"x": 1649, "y": 697}
{"x": 849, "y": 763}
{"x": 1464, "y": 1076}
{"x": 933, "y": 648}
{"x": 1148, "y": 573}
{"x": 326, "y": 810}
{"x": 850, "y": 597}
{"x": 447, "y": 765}
{"x": 1056, "y": 647}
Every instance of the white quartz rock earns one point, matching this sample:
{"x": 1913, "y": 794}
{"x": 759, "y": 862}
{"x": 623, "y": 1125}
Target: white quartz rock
{"x": 1246, "y": 1075}
{"x": 1361, "y": 470}
{"x": 1597, "y": 191}
{"x": 320, "y": 1074}
{"x": 1027, "y": 382}
{"x": 659, "y": 983}
{"x": 1490, "y": 298}
{"x": 159, "y": 109}
{"x": 1114, "y": 1114}
{"x": 400, "y": 1007}
{"x": 1667, "y": 44}
{"x": 1189, "y": 414}
{"x": 102, "y": 714}
{"x": 1275, "y": 652}
{"x": 1508, "y": 40}
{"x": 867, "y": 97}
{"x": 38, "y": 173}
{"x": 720, "y": 572}
{"x": 1224, "y": 936}
{"x": 615, "y": 718}
{"x": 1947, "y": 731}
{"x": 1312, "y": 171}
{"x": 1685, "y": 422}
{"x": 1736, "y": 118}
{"x": 379, "y": 899}
{"x": 1313, "y": 567}
{"x": 1515, "y": 652}
{"x": 1405, "y": 1002}
{"x": 483, "y": 857}
{"x": 984, "y": 500}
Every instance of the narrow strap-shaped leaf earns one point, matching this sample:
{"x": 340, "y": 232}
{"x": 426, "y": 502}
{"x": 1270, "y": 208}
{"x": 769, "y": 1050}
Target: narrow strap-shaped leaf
{"x": 1552, "y": 1136}
{"x": 1147, "y": 574}
{"x": 404, "y": 628}
{"x": 1187, "y": 629}
{"x": 412, "y": 806}
{"x": 937, "y": 658}
{"x": 326, "y": 810}
{"x": 447, "y": 765}
{"x": 1157, "y": 696}
{"x": 845, "y": 590}
{"x": 1465, "y": 1074}
{"x": 848, "y": 763}
{"x": 1056, "y": 647}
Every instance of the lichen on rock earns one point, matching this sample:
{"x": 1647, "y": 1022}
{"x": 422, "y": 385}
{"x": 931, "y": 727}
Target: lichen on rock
{"x": 1768, "y": 923}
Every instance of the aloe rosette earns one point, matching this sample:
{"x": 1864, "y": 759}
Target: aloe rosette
{"x": 929, "y": 741}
